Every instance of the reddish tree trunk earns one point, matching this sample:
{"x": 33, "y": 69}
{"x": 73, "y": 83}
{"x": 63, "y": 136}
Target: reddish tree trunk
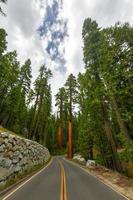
{"x": 121, "y": 122}
{"x": 70, "y": 149}
{"x": 60, "y": 137}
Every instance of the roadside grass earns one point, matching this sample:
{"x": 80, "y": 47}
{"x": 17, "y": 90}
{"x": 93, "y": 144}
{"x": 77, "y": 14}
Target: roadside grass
{"x": 119, "y": 182}
{"x": 2, "y": 129}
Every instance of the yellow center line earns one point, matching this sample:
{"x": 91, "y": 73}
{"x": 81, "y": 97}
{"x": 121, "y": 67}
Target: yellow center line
{"x": 63, "y": 190}
{"x": 65, "y": 186}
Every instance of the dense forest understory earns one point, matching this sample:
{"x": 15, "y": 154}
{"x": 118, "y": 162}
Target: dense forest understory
{"x": 99, "y": 102}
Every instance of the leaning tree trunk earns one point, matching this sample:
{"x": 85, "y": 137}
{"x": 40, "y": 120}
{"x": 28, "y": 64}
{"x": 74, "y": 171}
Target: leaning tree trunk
{"x": 34, "y": 118}
{"x": 5, "y": 120}
{"x": 60, "y": 136}
{"x": 115, "y": 107}
{"x": 109, "y": 135}
{"x": 119, "y": 118}
{"x": 38, "y": 116}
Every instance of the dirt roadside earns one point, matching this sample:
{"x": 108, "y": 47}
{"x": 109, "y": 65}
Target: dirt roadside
{"x": 115, "y": 180}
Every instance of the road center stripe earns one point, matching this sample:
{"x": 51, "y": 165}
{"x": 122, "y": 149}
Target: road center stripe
{"x": 63, "y": 190}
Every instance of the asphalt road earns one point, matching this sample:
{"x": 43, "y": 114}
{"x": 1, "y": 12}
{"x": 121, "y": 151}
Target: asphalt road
{"x": 82, "y": 186}
{"x": 62, "y": 180}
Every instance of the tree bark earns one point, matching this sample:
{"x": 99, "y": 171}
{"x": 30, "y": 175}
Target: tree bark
{"x": 70, "y": 150}
{"x": 5, "y": 120}
{"x": 60, "y": 137}
{"x": 108, "y": 131}
{"x": 119, "y": 118}
{"x": 31, "y": 135}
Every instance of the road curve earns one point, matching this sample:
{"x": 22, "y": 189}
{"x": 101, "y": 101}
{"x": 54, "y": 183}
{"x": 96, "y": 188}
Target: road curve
{"x": 62, "y": 180}
{"x": 83, "y": 186}
{"x": 46, "y": 185}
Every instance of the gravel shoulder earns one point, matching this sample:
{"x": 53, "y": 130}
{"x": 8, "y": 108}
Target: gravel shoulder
{"x": 115, "y": 180}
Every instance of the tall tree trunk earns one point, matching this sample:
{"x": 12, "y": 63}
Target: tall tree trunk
{"x": 45, "y": 135}
{"x": 70, "y": 150}
{"x": 5, "y": 120}
{"x": 102, "y": 152}
{"x": 60, "y": 136}
{"x": 115, "y": 107}
{"x": 34, "y": 118}
{"x": 60, "y": 125}
{"x": 109, "y": 135}
{"x": 91, "y": 153}
{"x": 119, "y": 118}
{"x": 38, "y": 116}
{"x": 70, "y": 88}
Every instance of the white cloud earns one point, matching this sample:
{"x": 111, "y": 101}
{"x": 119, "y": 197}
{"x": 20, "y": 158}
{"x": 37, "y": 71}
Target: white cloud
{"x": 106, "y": 13}
{"x": 21, "y": 23}
{"x": 56, "y": 82}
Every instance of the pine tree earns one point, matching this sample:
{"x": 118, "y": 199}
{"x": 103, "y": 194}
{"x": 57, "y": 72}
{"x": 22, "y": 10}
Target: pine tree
{"x": 71, "y": 91}
{"x": 42, "y": 106}
{"x": 61, "y": 101}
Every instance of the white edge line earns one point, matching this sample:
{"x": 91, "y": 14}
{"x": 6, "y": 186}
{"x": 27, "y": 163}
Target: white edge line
{"x": 6, "y": 197}
{"x": 76, "y": 164}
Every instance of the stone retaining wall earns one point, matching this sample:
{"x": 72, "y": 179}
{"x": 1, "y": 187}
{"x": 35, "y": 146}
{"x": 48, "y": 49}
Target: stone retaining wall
{"x": 18, "y": 155}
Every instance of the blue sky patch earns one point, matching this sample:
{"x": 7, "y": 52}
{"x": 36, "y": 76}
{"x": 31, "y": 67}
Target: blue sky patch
{"x": 54, "y": 31}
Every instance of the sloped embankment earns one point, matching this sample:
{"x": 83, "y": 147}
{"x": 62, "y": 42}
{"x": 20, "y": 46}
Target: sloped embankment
{"x": 19, "y": 156}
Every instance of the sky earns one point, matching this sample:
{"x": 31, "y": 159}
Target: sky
{"x": 50, "y": 31}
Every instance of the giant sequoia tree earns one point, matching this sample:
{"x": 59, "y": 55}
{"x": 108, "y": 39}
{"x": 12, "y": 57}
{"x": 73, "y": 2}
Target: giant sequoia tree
{"x": 105, "y": 90}
{"x": 66, "y": 99}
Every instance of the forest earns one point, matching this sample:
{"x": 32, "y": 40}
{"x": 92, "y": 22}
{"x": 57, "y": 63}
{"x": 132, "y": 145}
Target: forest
{"x": 98, "y": 102}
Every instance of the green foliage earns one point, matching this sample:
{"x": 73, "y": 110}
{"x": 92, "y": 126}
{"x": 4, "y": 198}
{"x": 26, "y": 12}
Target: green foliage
{"x": 66, "y": 99}
{"x": 71, "y": 91}
{"x": 105, "y": 97}
{"x": 85, "y": 144}
{"x": 2, "y": 41}
{"x": 61, "y": 103}
{"x": 103, "y": 94}
{"x": 24, "y": 110}
{"x": 127, "y": 154}
{"x": 41, "y": 110}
